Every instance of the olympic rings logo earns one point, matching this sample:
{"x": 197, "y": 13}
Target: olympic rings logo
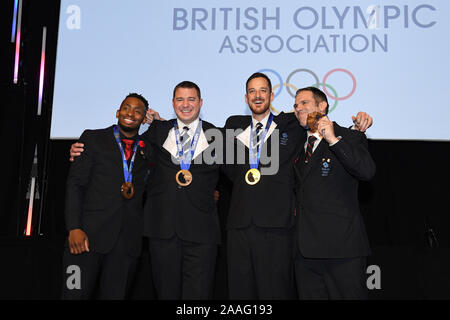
{"x": 278, "y": 88}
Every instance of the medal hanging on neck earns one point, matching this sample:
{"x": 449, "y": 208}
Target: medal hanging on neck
{"x": 253, "y": 175}
{"x": 184, "y": 176}
{"x": 127, "y": 188}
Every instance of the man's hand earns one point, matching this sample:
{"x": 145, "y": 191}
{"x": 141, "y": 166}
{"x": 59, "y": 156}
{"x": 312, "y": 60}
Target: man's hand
{"x": 75, "y": 150}
{"x": 362, "y": 121}
{"x": 326, "y": 129}
{"x": 152, "y": 115}
{"x": 216, "y": 195}
{"x": 78, "y": 241}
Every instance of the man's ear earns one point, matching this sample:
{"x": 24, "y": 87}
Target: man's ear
{"x": 144, "y": 118}
{"x": 323, "y": 106}
{"x": 117, "y": 114}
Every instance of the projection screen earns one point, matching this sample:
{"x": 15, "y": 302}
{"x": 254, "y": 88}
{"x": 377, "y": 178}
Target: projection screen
{"x": 387, "y": 58}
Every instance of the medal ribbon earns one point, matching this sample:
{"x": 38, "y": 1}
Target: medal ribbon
{"x": 127, "y": 171}
{"x": 254, "y": 160}
{"x": 185, "y": 163}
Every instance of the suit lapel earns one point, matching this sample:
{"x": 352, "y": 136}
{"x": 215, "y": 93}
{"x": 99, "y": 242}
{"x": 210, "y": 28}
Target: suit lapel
{"x": 244, "y": 136}
{"x": 304, "y": 169}
{"x": 167, "y": 138}
{"x": 112, "y": 145}
{"x": 272, "y": 127}
{"x": 315, "y": 158}
{"x": 299, "y": 166}
{"x": 140, "y": 158}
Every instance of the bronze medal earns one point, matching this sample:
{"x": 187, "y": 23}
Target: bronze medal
{"x": 313, "y": 119}
{"x": 252, "y": 176}
{"x": 183, "y": 178}
{"x": 127, "y": 190}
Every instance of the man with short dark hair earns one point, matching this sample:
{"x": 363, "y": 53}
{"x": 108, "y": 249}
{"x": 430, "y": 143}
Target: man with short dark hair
{"x": 331, "y": 241}
{"x": 103, "y": 212}
{"x": 260, "y": 225}
{"x": 181, "y": 219}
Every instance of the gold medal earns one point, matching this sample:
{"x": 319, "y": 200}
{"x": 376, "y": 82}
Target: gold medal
{"x": 252, "y": 176}
{"x": 127, "y": 190}
{"x": 183, "y": 178}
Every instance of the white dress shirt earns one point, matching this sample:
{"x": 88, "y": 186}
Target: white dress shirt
{"x": 171, "y": 144}
{"x": 244, "y": 136}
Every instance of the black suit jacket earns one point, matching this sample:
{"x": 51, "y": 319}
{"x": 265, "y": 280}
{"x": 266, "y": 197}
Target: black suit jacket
{"x": 329, "y": 221}
{"x": 269, "y": 203}
{"x": 94, "y": 202}
{"x": 189, "y": 212}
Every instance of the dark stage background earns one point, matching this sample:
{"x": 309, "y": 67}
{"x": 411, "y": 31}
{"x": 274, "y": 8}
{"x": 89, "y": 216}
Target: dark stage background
{"x": 404, "y": 206}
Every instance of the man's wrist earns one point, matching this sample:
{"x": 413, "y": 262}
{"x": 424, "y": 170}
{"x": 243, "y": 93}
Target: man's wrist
{"x": 336, "y": 140}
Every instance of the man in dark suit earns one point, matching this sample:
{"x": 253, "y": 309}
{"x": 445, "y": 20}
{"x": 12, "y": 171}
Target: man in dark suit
{"x": 331, "y": 243}
{"x": 104, "y": 201}
{"x": 181, "y": 218}
{"x": 262, "y": 214}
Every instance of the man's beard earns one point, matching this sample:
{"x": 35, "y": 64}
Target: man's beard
{"x": 126, "y": 129}
{"x": 260, "y": 111}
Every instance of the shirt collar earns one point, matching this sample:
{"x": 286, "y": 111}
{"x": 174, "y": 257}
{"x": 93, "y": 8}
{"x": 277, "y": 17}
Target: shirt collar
{"x": 316, "y": 134}
{"x": 123, "y": 136}
{"x": 263, "y": 121}
{"x": 192, "y": 126}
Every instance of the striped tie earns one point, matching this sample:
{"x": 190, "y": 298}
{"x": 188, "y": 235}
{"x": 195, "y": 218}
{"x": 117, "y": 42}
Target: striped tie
{"x": 309, "y": 148}
{"x": 257, "y": 137}
{"x": 185, "y": 141}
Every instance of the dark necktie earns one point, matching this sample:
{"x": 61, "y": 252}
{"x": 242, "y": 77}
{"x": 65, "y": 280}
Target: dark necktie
{"x": 258, "y": 133}
{"x": 309, "y": 148}
{"x": 185, "y": 140}
{"x": 128, "y": 148}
